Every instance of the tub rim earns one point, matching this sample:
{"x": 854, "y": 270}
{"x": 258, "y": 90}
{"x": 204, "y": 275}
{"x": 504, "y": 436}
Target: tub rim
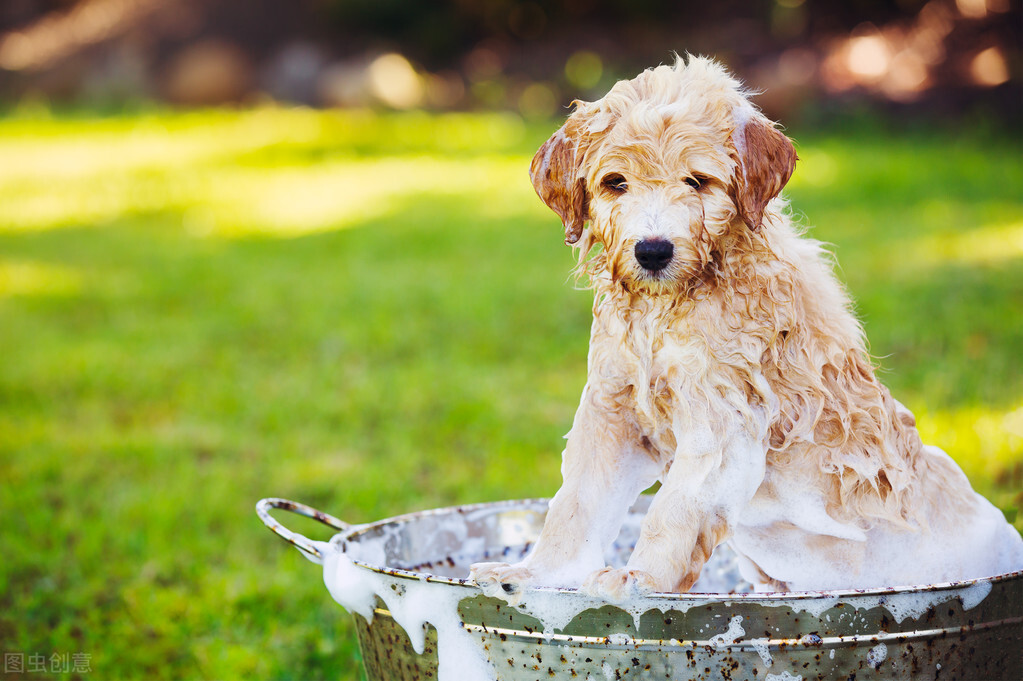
{"x": 350, "y": 532}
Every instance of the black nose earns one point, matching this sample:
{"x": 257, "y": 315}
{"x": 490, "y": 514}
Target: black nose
{"x": 654, "y": 254}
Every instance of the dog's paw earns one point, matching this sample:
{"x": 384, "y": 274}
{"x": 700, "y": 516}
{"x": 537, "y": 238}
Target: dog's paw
{"x": 618, "y": 585}
{"x": 501, "y": 580}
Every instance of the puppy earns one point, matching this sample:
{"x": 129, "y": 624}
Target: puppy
{"x": 725, "y": 362}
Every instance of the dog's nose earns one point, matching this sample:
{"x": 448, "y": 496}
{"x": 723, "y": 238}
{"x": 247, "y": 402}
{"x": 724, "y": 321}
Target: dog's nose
{"x": 654, "y": 254}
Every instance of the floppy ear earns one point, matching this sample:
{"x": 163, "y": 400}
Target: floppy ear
{"x": 766, "y": 161}
{"x": 555, "y": 175}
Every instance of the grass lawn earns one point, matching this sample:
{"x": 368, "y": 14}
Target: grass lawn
{"x": 372, "y": 314}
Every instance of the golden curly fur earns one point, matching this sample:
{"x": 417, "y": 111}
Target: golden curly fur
{"x": 725, "y": 361}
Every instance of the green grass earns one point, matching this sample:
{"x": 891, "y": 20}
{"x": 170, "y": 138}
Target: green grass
{"x": 372, "y": 314}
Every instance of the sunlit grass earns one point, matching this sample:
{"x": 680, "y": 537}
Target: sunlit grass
{"x": 373, "y": 314}
{"x": 46, "y": 148}
{"x": 989, "y": 445}
{"x": 269, "y": 171}
{"x": 20, "y": 278}
{"x": 985, "y": 245}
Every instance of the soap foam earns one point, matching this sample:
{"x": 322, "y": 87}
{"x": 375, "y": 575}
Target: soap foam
{"x": 620, "y": 640}
{"x": 784, "y": 676}
{"x": 763, "y": 650}
{"x": 899, "y": 604}
{"x": 413, "y": 604}
{"x": 734, "y": 632}
{"x": 971, "y": 596}
{"x": 877, "y": 655}
{"x": 907, "y": 604}
{"x": 556, "y": 609}
{"x": 416, "y": 603}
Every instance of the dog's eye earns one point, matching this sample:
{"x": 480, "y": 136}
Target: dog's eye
{"x": 614, "y": 183}
{"x": 696, "y": 181}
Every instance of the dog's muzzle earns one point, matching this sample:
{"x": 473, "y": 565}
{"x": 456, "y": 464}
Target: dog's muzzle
{"x": 654, "y": 254}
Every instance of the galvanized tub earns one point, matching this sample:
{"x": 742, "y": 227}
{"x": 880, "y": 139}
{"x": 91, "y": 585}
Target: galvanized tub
{"x": 963, "y": 630}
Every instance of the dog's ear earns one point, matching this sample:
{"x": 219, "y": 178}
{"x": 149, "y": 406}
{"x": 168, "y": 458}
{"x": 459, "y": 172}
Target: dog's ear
{"x": 766, "y": 161}
{"x": 556, "y": 178}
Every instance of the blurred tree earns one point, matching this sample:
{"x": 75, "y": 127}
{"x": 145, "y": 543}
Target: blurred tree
{"x": 494, "y": 50}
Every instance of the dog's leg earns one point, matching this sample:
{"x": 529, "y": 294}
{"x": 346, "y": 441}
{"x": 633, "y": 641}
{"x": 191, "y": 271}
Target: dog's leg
{"x": 604, "y": 469}
{"x": 706, "y": 488}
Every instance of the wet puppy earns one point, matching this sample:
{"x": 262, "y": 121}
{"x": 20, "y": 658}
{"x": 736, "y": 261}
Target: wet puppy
{"x": 726, "y": 363}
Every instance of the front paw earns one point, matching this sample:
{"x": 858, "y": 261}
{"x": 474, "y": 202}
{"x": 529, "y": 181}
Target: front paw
{"x": 502, "y": 580}
{"x": 618, "y": 585}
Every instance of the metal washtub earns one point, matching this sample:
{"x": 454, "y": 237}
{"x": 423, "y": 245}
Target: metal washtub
{"x": 963, "y": 630}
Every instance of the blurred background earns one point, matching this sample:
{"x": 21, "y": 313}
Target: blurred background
{"x": 256, "y": 248}
{"x": 524, "y": 56}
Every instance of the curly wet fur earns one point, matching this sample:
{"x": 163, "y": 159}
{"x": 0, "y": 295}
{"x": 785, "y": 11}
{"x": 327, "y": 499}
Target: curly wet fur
{"x": 737, "y": 375}
{"x": 775, "y": 289}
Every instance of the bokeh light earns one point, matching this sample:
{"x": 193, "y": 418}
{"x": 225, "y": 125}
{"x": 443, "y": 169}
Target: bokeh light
{"x": 584, "y": 69}
{"x": 394, "y": 81}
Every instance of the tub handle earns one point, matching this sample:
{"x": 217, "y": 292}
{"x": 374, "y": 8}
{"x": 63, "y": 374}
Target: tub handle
{"x": 304, "y": 544}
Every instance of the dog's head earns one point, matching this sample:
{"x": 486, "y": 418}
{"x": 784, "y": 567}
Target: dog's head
{"x": 667, "y": 168}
